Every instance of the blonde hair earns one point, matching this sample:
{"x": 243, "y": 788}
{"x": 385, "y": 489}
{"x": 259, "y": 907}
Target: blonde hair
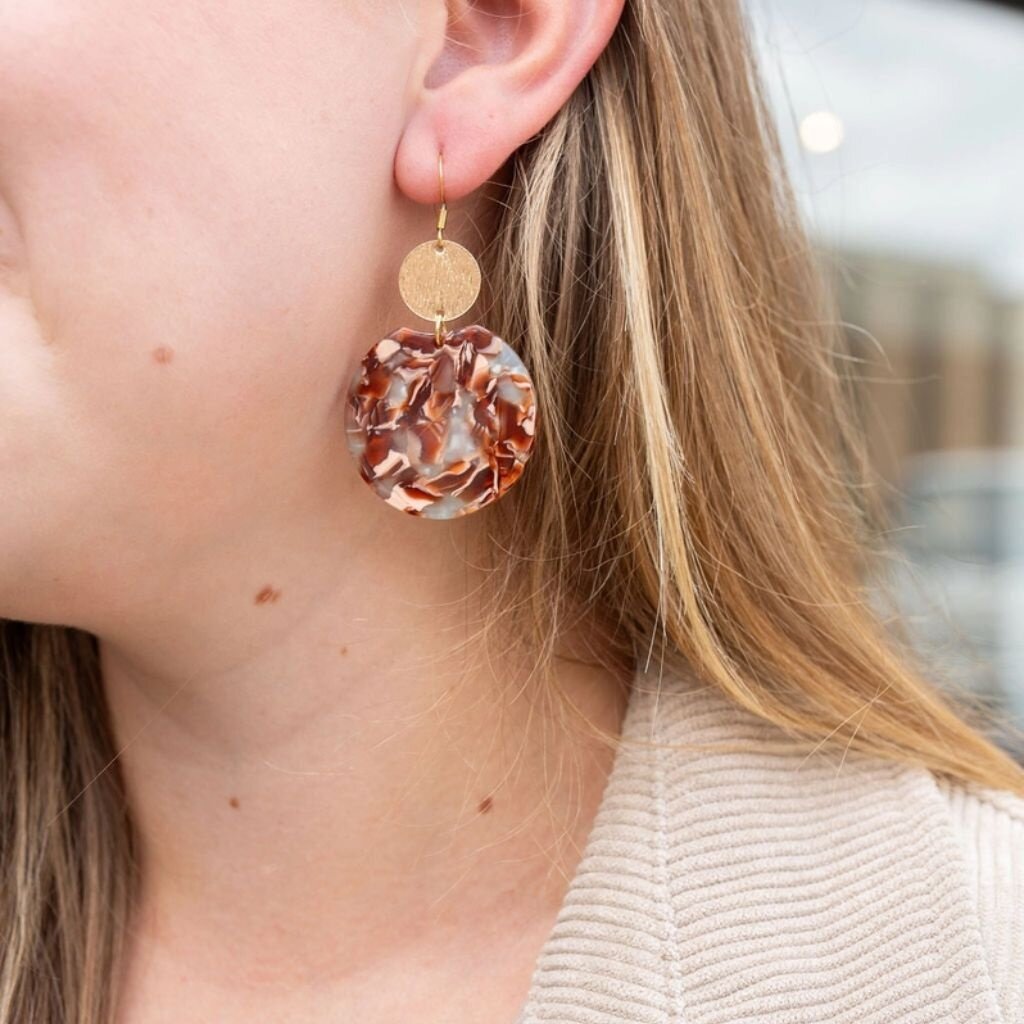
{"x": 700, "y": 484}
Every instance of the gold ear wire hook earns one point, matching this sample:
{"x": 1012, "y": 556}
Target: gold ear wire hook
{"x": 442, "y": 220}
{"x": 442, "y": 216}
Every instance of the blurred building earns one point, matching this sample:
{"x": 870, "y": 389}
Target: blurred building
{"x": 902, "y": 129}
{"x": 941, "y": 355}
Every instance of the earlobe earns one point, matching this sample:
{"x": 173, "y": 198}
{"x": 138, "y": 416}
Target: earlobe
{"x": 504, "y": 70}
{"x": 474, "y": 140}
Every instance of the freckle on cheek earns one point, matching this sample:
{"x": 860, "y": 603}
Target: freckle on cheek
{"x": 267, "y": 595}
{"x": 344, "y": 649}
{"x": 234, "y": 802}
{"x": 163, "y": 354}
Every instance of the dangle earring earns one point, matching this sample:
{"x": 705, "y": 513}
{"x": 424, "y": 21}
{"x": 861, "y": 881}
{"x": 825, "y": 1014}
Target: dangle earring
{"x": 441, "y": 423}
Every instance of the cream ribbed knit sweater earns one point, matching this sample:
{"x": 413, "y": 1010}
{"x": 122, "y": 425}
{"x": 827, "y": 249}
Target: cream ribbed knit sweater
{"x": 775, "y": 888}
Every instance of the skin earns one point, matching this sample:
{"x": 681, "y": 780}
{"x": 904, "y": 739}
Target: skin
{"x": 203, "y": 207}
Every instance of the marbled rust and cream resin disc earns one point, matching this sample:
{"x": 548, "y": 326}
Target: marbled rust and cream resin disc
{"x": 440, "y": 431}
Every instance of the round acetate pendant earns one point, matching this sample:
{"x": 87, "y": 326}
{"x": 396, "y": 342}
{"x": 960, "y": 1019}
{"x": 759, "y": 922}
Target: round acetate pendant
{"x": 440, "y": 431}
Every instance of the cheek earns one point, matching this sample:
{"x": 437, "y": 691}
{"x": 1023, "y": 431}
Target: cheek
{"x": 198, "y": 222}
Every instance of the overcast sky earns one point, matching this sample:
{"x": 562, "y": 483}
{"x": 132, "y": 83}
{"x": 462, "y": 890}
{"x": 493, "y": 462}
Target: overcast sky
{"x": 931, "y": 96}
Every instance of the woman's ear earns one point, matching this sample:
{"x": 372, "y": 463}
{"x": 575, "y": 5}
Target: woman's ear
{"x": 502, "y": 70}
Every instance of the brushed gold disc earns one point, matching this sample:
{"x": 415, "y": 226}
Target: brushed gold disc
{"x": 439, "y": 277}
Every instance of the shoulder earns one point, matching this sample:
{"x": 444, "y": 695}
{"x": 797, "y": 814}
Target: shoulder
{"x": 989, "y": 826}
{"x": 781, "y": 860}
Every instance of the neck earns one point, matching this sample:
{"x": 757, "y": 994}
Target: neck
{"x": 324, "y": 776}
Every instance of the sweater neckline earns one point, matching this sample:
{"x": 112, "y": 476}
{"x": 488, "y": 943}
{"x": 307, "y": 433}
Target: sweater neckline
{"x": 750, "y": 885}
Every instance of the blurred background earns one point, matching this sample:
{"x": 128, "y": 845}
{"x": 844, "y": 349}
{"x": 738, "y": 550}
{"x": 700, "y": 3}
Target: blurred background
{"x": 903, "y": 126}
